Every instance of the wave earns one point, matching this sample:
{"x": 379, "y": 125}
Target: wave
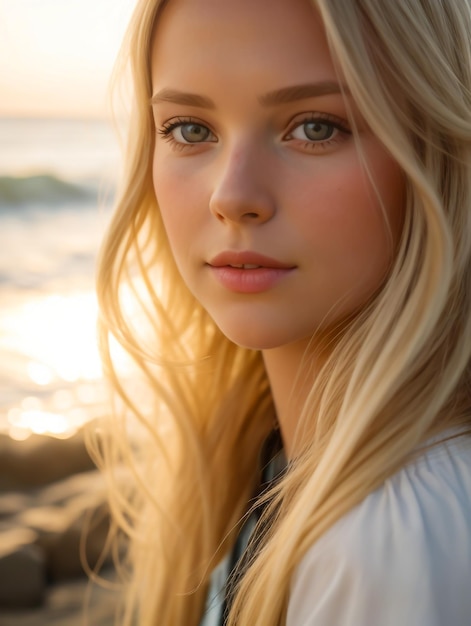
{"x": 42, "y": 189}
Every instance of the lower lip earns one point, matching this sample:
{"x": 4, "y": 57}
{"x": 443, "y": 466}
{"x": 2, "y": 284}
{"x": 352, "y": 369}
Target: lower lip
{"x": 256, "y": 280}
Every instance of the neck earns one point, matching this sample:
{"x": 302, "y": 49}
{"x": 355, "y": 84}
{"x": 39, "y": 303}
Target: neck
{"x": 291, "y": 370}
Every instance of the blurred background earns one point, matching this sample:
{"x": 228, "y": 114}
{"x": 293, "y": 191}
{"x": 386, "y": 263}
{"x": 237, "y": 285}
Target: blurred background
{"x": 58, "y": 166}
{"x": 59, "y": 162}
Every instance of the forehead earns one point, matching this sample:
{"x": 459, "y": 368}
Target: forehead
{"x": 234, "y": 38}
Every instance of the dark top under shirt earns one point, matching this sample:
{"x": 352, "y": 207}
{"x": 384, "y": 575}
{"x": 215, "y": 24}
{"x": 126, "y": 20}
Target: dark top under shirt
{"x": 273, "y": 464}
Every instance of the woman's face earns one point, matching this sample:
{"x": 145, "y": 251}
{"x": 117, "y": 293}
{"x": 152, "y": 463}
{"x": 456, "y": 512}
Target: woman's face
{"x": 274, "y": 224}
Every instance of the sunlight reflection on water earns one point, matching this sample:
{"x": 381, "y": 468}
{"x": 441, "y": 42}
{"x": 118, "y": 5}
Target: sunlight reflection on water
{"x": 57, "y": 332}
{"x": 57, "y": 181}
{"x": 56, "y": 335}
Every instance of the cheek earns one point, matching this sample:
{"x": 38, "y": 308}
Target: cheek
{"x": 166, "y": 188}
{"x": 169, "y": 201}
{"x": 341, "y": 205}
{"x": 379, "y": 186}
{"x": 355, "y": 220}
{"x": 179, "y": 183}
{"x": 176, "y": 199}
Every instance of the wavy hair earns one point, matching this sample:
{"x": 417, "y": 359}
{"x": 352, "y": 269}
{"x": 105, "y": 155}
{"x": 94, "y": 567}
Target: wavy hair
{"x": 398, "y": 374}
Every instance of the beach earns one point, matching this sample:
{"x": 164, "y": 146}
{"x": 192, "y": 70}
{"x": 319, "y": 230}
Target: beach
{"x": 57, "y": 180}
{"x": 56, "y": 190}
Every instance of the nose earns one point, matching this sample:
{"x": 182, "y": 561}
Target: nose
{"x": 242, "y": 192}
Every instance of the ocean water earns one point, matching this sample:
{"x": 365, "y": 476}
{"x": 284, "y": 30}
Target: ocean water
{"x": 56, "y": 189}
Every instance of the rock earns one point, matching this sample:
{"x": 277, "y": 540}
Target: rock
{"x": 42, "y": 530}
{"x": 74, "y": 512}
{"x": 12, "y": 538}
{"x": 82, "y": 490}
{"x": 40, "y": 460}
{"x": 22, "y": 569}
{"x": 13, "y": 503}
{"x": 72, "y": 603}
{"x": 43, "y": 520}
{"x": 83, "y": 539}
{"x": 69, "y": 522}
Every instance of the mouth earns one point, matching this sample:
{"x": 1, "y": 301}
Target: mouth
{"x": 248, "y": 272}
{"x": 247, "y": 260}
{"x": 244, "y": 266}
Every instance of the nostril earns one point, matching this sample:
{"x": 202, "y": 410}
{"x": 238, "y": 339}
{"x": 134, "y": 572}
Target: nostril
{"x": 242, "y": 205}
{"x": 250, "y": 215}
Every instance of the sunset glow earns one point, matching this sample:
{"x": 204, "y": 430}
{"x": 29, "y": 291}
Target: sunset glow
{"x": 56, "y": 57}
{"x": 57, "y": 337}
{"x": 57, "y": 333}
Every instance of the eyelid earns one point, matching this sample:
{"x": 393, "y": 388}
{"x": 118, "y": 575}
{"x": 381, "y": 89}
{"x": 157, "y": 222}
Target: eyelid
{"x": 341, "y": 125}
{"x": 314, "y": 116}
{"x": 171, "y": 124}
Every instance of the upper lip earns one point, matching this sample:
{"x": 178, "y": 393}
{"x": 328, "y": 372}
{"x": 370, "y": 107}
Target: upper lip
{"x": 239, "y": 258}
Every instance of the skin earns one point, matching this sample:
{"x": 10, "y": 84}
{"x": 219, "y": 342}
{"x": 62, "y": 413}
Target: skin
{"x": 283, "y": 179}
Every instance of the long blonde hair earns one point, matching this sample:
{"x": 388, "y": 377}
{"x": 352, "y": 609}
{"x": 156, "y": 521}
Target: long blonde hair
{"x": 397, "y": 375}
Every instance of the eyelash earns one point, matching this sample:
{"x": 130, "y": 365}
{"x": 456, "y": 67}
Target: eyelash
{"x": 336, "y": 123}
{"x": 167, "y": 129}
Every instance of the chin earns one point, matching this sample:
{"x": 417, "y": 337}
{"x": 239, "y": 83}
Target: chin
{"x": 255, "y": 338}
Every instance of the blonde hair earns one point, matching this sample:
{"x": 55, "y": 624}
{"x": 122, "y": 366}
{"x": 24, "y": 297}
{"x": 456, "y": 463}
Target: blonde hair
{"x": 397, "y": 375}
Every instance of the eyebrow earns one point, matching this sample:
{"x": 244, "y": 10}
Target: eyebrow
{"x": 301, "y": 92}
{"x": 272, "y": 98}
{"x": 181, "y": 97}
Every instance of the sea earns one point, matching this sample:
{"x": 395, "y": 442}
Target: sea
{"x": 57, "y": 185}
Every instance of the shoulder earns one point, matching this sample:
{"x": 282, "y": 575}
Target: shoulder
{"x": 402, "y": 556}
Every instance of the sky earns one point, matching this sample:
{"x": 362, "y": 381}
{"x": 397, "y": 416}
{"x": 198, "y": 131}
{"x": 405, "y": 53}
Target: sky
{"x": 56, "y": 56}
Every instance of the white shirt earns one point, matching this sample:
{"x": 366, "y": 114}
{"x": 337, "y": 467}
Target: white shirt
{"x": 402, "y": 557}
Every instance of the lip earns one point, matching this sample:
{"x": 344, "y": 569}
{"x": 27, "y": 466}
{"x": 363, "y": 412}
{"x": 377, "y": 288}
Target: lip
{"x": 229, "y": 258}
{"x": 248, "y": 280}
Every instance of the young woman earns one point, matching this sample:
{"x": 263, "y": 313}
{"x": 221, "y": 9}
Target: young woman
{"x": 294, "y": 226}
